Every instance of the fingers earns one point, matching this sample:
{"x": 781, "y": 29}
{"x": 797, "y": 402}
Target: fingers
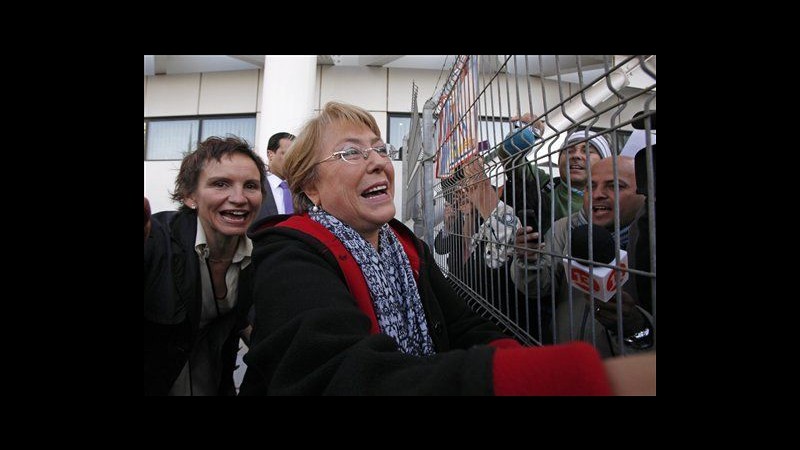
{"x": 473, "y": 166}
{"x": 525, "y": 237}
{"x": 627, "y": 303}
{"x": 606, "y": 312}
{"x": 521, "y": 232}
{"x": 601, "y": 307}
{"x": 539, "y": 125}
{"x": 526, "y": 118}
{"x": 526, "y": 234}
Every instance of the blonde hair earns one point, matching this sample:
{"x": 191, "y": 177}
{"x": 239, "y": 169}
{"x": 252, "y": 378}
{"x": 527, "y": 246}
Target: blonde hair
{"x": 300, "y": 165}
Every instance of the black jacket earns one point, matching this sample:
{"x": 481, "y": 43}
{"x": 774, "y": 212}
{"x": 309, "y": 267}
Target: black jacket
{"x": 310, "y": 338}
{"x": 268, "y": 206}
{"x": 173, "y": 302}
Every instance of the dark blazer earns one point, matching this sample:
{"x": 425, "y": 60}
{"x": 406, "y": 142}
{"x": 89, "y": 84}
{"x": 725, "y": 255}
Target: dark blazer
{"x": 173, "y": 302}
{"x": 310, "y": 337}
{"x": 268, "y": 207}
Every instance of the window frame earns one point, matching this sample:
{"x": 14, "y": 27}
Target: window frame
{"x": 389, "y": 117}
{"x": 200, "y": 119}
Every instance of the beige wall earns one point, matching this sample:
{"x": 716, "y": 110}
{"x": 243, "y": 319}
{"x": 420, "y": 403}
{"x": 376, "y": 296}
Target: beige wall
{"x": 399, "y": 92}
{"x": 172, "y": 95}
{"x": 207, "y": 93}
{"x": 362, "y": 86}
{"x": 378, "y": 90}
{"x": 229, "y": 92}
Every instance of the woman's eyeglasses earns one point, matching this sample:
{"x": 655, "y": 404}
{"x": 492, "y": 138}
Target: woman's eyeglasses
{"x": 353, "y": 154}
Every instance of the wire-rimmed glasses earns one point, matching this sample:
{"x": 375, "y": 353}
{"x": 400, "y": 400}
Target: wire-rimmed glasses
{"x": 352, "y": 154}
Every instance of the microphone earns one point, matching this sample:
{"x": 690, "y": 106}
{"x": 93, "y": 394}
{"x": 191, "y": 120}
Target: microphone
{"x": 602, "y": 243}
{"x": 603, "y": 279}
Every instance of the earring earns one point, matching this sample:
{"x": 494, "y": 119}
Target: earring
{"x": 315, "y": 208}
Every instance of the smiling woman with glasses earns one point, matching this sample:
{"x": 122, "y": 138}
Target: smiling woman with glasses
{"x": 349, "y": 302}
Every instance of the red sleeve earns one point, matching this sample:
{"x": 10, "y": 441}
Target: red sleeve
{"x": 569, "y": 369}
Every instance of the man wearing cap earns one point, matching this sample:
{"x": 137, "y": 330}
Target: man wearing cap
{"x": 572, "y": 160}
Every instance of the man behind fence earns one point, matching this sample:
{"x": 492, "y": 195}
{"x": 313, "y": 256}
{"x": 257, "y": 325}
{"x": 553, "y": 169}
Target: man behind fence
{"x": 529, "y": 186}
{"x": 532, "y": 271}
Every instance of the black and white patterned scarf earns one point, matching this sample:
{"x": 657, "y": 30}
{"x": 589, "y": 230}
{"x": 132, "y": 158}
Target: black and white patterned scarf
{"x": 395, "y": 297}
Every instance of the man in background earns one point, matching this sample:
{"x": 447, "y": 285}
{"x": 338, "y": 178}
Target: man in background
{"x": 277, "y": 199}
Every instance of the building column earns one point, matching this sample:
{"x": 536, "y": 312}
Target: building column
{"x": 288, "y": 86}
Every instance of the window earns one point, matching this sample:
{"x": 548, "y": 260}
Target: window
{"x": 399, "y": 127}
{"x": 171, "y": 139}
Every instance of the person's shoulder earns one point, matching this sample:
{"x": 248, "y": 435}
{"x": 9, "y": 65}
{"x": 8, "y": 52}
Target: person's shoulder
{"x": 295, "y": 231}
{"x": 274, "y": 228}
{"x": 279, "y": 242}
{"x": 164, "y": 216}
{"x": 172, "y": 218}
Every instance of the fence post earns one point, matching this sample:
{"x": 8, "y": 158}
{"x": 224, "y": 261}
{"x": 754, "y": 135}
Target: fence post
{"x": 429, "y": 151}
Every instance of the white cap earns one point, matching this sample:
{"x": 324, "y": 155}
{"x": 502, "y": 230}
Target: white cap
{"x": 599, "y": 142}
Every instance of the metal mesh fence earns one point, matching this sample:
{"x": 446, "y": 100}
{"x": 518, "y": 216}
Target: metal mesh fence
{"x": 518, "y": 141}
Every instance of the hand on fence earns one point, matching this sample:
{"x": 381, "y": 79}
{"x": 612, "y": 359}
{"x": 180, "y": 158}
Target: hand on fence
{"x": 528, "y": 118}
{"x": 477, "y": 186}
{"x": 473, "y": 171}
{"x": 463, "y": 202}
